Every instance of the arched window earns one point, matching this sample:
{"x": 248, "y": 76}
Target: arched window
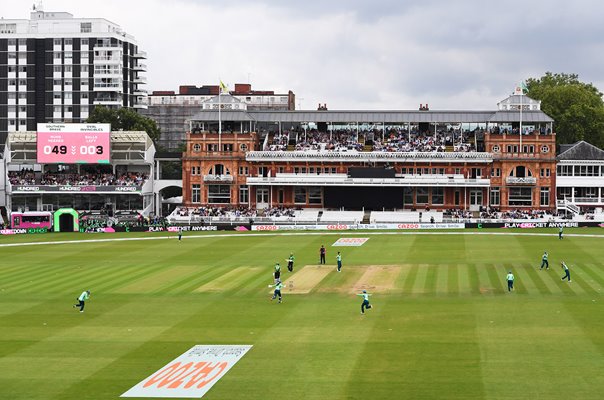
{"x": 219, "y": 169}
{"x": 521, "y": 172}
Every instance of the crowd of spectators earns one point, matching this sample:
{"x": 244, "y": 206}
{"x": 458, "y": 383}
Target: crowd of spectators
{"x": 209, "y": 211}
{"x": 93, "y": 222}
{"x": 455, "y": 213}
{"x": 402, "y": 140}
{"x": 495, "y": 213}
{"x": 526, "y": 131}
{"x": 92, "y": 179}
{"x": 392, "y": 140}
{"x": 28, "y": 177}
{"x": 280, "y": 212}
{"x": 340, "y": 140}
{"x": 23, "y": 177}
{"x": 279, "y": 142}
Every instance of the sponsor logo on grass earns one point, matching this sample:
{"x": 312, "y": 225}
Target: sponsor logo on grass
{"x": 192, "y": 374}
{"x": 350, "y": 241}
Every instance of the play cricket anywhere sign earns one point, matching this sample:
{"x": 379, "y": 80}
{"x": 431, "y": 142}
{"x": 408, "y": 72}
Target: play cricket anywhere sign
{"x": 192, "y": 374}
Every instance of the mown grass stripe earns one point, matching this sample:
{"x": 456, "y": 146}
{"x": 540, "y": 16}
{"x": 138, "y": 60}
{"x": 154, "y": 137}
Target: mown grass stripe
{"x": 128, "y": 275}
{"x": 463, "y": 274}
{"x": 472, "y": 272}
{"x": 193, "y": 283}
{"x": 254, "y": 279}
{"x": 411, "y": 278}
{"x": 40, "y": 281}
{"x": 584, "y": 280}
{"x": 84, "y": 276}
{"x": 554, "y": 279}
{"x": 484, "y": 281}
{"x": 229, "y": 280}
{"x": 431, "y": 274}
{"x": 29, "y": 274}
{"x": 452, "y": 279}
{"x": 590, "y": 272}
{"x": 442, "y": 274}
{"x": 534, "y": 276}
{"x": 498, "y": 284}
{"x": 519, "y": 279}
{"x": 420, "y": 280}
{"x": 172, "y": 288}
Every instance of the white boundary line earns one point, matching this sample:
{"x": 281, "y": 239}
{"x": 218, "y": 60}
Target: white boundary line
{"x": 340, "y": 233}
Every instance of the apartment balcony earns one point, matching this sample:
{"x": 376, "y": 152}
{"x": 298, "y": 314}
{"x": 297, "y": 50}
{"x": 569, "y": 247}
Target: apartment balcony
{"x": 526, "y": 181}
{"x": 140, "y": 92}
{"x": 140, "y": 67}
{"x": 109, "y": 47}
{"x": 108, "y": 101}
{"x": 140, "y": 54}
{"x": 140, "y": 80}
{"x": 108, "y": 87}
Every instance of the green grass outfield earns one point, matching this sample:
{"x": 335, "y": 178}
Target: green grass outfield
{"x": 443, "y": 327}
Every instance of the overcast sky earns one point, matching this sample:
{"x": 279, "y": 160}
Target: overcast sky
{"x": 357, "y": 54}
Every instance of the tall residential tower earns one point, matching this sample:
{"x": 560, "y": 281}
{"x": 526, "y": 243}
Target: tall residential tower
{"x": 56, "y": 68}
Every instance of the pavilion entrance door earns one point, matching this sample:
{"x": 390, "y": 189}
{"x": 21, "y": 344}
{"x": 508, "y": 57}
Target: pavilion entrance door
{"x": 262, "y": 197}
{"x": 475, "y": 199}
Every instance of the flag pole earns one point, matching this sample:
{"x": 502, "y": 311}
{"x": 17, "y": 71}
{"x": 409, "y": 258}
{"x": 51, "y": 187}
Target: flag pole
{"x": 521, "y": 95}
{"x": 219, "y": 115}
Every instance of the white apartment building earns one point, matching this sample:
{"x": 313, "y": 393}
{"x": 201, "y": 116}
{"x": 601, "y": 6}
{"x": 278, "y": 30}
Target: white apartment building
{"x": 56, "y": 68}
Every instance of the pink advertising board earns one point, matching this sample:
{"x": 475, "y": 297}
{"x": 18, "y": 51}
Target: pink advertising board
{"x": 74, "y": 143}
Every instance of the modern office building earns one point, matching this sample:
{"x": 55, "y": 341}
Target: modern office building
{"x": 172, "y": 111}
{"x": 57, "y": 68}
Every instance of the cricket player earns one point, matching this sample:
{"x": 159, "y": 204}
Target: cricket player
{"x": 290, "y": 262}
{"x": 339, "y": 260}
{"x": 82, "y": 299}
{"x": 560, "y": 232}
{"x": 544, "y": 262}
{"x": 322, "y": 252}
{"x": 365, "y": 304}
{"x": 510, "y": 279}
{"x": 277, "y": 273}
{"x": 277, "y": 293}
{"x": 179, "y": 234}
{"x": 566, "y": 271}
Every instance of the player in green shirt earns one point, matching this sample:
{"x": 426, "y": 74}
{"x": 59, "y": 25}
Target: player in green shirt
{"x": 560, "y": 232}
{"x": 277, "y": 273}
{"x": 277, "y": 293}
{"x": 365, "y": 304}
{"x": 510, "y": 279}
{"x": 339, "y": 260}
{"x": 544, "y": 262}
{"x": 82, "y": 299}
{"x": 290, "y": 262}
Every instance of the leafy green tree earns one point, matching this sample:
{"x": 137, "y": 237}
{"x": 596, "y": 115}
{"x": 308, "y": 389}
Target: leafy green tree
{"x": 576, "y": 107}
{"x": 125, "y": 119}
